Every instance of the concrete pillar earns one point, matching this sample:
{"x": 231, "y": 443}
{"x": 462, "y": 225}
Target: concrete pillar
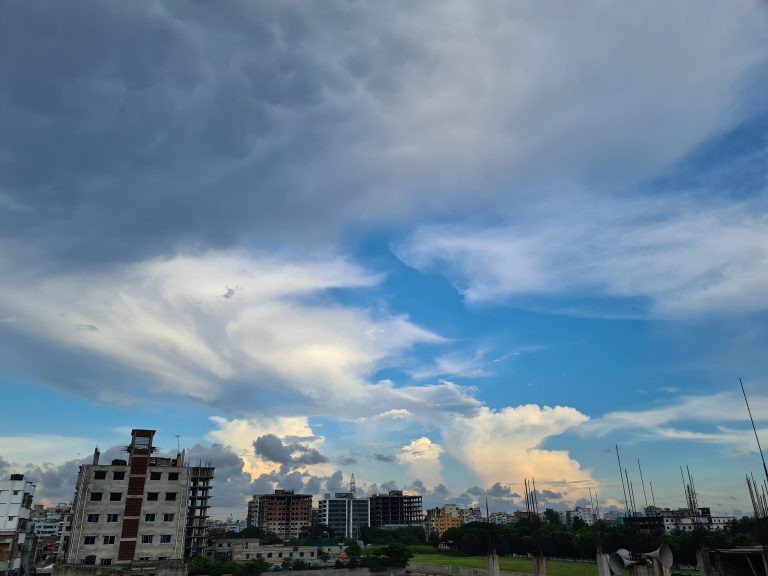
{"x": 539, "y": 565}
{"x": 639, "y": 569}
{"x": 493, "y": 565}
{"x": 659, "y": 570}
{"x": 603, "y": 569}
{"x": 702, "y": 562}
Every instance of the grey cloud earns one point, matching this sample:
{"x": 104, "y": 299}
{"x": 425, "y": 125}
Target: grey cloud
{"x": 551, "y": 495}
{"x": 386, "y": 458}
{"x": 272, "y": 448}
{"x": 201, "y": 125}
{"x": 387, "y": 486}
{"x": 497, "y": 490}
{"x": 335, "y": 482}
{"x": 347, "y": 461}
{"x": 301, "y": 482}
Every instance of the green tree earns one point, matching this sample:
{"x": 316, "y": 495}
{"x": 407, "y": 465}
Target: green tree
{"x": 434, "y": 539}
{"x": 389, "y": 556}
{"x": 552, "y": 518}
{"x": 354, "y": 552}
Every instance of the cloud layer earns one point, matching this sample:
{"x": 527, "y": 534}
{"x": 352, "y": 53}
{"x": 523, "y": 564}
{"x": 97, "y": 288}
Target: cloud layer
{"x": 675, "y": 256}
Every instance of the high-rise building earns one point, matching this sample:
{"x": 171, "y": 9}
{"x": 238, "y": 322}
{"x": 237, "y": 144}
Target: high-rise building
{"x": 344, "y": 514}
{"x": 200, "y": 485}
{"x": 252, "y": 519}
{"x": 16, "y": 495}
{"x": 145, "y": 508}
{"x": 395, "y": 509}
{"x": 285, "y": 513}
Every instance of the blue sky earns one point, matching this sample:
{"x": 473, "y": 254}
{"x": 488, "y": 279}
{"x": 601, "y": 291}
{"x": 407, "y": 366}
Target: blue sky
{"x": 444, "y": 247}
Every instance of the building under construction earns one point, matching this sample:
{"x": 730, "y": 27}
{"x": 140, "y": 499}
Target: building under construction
{"x": 395, "y": 509}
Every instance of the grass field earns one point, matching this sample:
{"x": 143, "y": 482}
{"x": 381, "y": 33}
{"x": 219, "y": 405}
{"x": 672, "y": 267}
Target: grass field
{"x": 554, "y": 567}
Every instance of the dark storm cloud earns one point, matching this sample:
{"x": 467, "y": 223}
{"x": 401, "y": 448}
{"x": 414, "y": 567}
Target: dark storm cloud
{"x": 271, "y": 448}
{"x": 128, "y": 131}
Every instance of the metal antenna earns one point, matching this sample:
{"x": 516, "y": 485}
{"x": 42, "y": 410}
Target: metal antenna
{"x": 654, "y": 499}
{"x": 643, "y": 483}
{"x": 626, "y": 502}
{"x": 178, "y": 444}
{"x": 749, "y": 411}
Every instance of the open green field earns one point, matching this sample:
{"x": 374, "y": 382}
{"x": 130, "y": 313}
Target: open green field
{"x": 554, "y": 567}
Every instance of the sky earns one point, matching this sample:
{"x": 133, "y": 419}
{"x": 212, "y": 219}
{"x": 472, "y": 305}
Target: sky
{"x": 442, "y": 246}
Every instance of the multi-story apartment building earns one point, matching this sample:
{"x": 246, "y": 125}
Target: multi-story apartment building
{"x": 439, "y": 520}
{"x": 471, "y": 515}
{"x": 16, "y": 495}
{"x": 285, "y": 513}
{"x": 137, "y": 509}
{"x": 65, "y": 531}
{"x": 345, "y": 515}
{"x": 680, "y": 519}
{"x": 200, "y": 486}
{"x": 583, "y": 514}
{"x": 395, "y": 509}
{"x": 252, "y": 519}
{"x": 247, "y": 549}
{"x": 46, "y": 524}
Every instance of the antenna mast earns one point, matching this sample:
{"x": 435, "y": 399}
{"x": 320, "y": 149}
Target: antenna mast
{"x": 749, "y": 411}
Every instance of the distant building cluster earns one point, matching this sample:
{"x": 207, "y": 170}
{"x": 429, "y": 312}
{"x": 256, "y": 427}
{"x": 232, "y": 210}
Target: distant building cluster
{"x": 146, "y": 510}
{"x": 342, "y": 515}
{"x": 683, "y": 519}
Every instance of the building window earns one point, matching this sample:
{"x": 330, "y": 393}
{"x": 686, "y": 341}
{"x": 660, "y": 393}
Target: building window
{"x": 165, "y": 539}
{"x": 118, "y": 475}
{"x": 95, "y": 496}
{"x": 106, "y": 561}
{"x": 88, "y": 540}
{"x": 173, "y": 475}
{"x": 152, "y": 495}
{"x": 149, "y": 517}
{"x": 112, "y": 517}
{"x": 115, "y": 496}
{"x": 155, "y": 475}
{"x": 269, "y": 554}
{"x": 170, "y": 495}
{"x": 92, "y": 518}
{"x": 167, "y": 517}
{"x": 146, "y": 539}
{"x": 247, "y": 556}
{"x": 99, "y": 474}
{"x": 109, "y": 540}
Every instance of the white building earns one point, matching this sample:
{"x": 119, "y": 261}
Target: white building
{"x": 138, "y": 509}
{"x": 584, "y": 514}
{"x": 16, "y": 495}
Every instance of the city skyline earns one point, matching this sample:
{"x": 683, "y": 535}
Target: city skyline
{"x": 442, "y": 247}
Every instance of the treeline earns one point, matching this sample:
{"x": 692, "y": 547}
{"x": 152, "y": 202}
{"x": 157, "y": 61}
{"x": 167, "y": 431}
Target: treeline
{"x": 580, "y": 542}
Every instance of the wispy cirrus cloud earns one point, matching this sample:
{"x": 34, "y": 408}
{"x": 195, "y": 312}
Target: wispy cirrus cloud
{"x": 165, "y": 319}
{"x": 702, "y": 418}
{"x": 676, "y": 256}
